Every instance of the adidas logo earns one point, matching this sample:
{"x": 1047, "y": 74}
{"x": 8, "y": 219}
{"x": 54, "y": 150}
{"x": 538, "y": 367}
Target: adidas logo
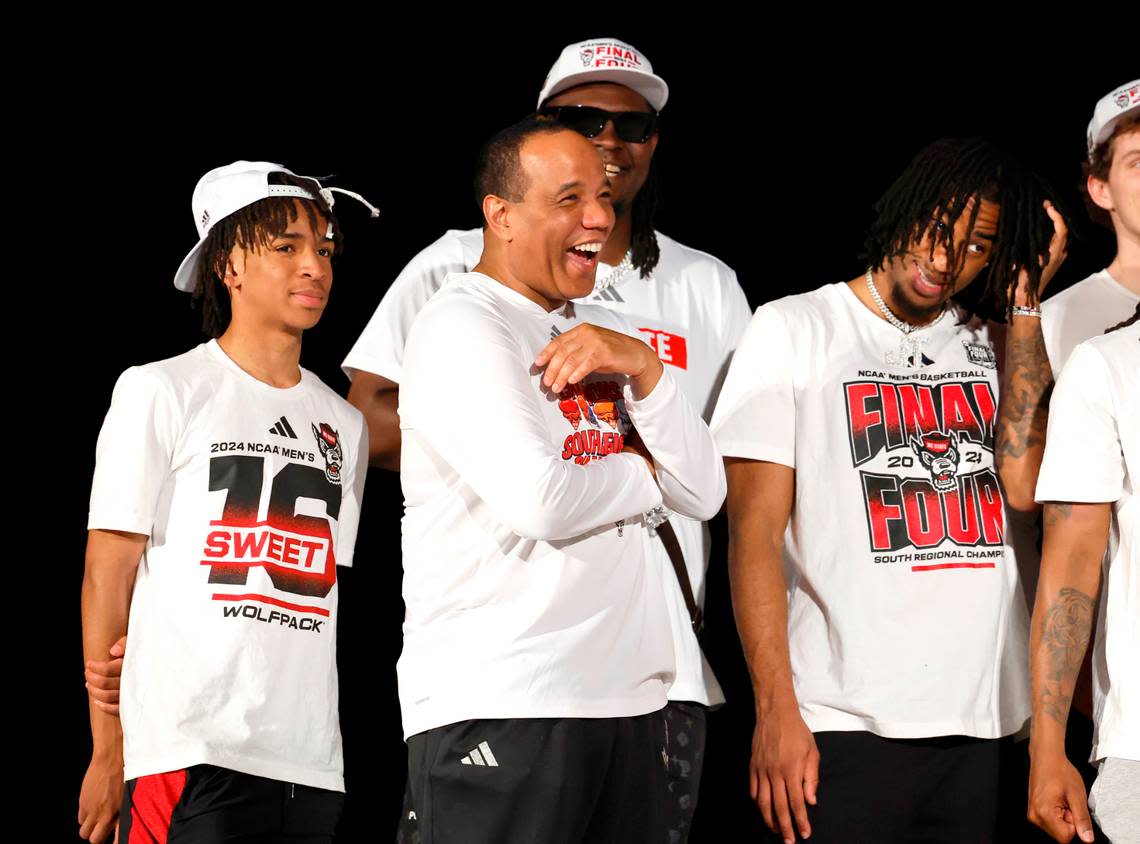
{"x": 283, "y": 429}
{"x": 607, "y": 293}
{"x": 554, "y": 332}
{"x": 486, "y": 757}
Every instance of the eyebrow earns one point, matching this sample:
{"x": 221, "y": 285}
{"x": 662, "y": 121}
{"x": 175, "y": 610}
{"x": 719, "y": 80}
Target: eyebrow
{"x": 567, "y": 186}
{"x": 299, "y": 236}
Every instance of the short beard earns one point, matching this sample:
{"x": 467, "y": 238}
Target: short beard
{"x": 907, "y": 312}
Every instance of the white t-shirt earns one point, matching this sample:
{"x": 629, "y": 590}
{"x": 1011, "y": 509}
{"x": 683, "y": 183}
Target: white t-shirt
{"x": 691, "y": 310}
{"x": 528, "y": 573}
{"x": 905, "y": 615}
{"x": 250, "y": 497}
{"x": 1087, "y": 309}
{"x": 1093, "y": 455}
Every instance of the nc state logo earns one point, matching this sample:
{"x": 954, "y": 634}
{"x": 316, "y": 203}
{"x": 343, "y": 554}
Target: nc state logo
{"x": 329, "y": 442}
{"x": 939, "y": 454}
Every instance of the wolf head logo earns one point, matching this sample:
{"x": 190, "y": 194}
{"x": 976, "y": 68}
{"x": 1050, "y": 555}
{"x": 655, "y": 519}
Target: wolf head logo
{"x": 939, "y": 454}
{"x": 328, "y": 441}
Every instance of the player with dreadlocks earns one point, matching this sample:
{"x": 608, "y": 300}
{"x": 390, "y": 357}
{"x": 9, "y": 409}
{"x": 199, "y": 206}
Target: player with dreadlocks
{"x": 688, "y": 304}
{"x": 859, "y": 424}
{"x": 226, "y": 491}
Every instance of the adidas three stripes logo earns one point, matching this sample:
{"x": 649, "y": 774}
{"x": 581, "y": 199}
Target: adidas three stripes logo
{"x": 283, "y": 428}
{"x": 481, "y": 755}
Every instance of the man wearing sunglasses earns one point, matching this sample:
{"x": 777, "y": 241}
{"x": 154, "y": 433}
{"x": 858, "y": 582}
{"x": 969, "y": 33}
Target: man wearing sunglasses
{"x": 688, "y": 306}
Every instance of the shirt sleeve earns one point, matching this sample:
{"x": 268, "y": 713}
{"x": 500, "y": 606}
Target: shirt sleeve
{"x": 738, "y": 314}
{"x": 380, "y": 347}
{"x": 755, "y": 415}
{"x": 353, "y": 498}
{"x": 690, "y": 472}
{"x": 134, "y": 454}
{"x": 1084, "y": 460}
{"x": 732, "y": 322}
{"x": 470, "y": 395}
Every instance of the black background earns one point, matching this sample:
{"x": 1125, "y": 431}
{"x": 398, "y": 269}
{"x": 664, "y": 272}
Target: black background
{"x": 772, "y": 150}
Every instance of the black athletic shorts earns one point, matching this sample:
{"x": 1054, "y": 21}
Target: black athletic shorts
{"x": 208, "y": 805}
{"x": 540, "y": 781}
{"x": 941, "y": 790}
{"x": 685, "y": 728}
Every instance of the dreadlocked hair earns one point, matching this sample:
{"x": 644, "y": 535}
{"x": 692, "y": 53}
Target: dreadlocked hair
{"x": 1132, "y": 320}
{"x": 252, "y": 228}
{"x": 644, "y": 251}
{"x": 937, "y": 188}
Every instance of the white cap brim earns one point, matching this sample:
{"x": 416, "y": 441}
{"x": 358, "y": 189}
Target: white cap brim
{"x": 187, "y": 276}
{"x": 649, "y": 85}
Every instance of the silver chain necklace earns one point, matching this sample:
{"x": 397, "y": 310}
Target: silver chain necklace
{"x": 617, "y": 273}
{"x": 909, "y": 352}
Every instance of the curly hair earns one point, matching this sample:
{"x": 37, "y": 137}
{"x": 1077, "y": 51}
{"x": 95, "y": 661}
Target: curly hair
{"x": 938, "y": 186}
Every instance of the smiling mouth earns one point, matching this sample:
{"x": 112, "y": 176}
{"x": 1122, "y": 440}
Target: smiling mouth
{"x": 614, "y": 170}
{"x": 587, "y": 252}
{"x": 925, "y": 284}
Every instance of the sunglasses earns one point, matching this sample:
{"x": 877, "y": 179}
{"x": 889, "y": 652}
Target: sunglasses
{"x": 634, "y": 127}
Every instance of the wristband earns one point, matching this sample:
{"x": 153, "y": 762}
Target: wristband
{"x": 1018, "y": 310}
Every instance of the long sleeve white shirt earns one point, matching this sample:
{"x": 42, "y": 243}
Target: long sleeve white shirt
{"x": 528, "y": 579}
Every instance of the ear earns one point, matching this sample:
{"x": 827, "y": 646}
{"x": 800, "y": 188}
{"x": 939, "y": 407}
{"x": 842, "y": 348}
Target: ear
{"x": 230, "y": 267}
{"x": 497, "y": 213}
{"x": 1100, "y": 193}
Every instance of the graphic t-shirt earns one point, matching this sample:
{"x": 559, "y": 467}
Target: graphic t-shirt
{"x": 529, "y": 577}
{"x": 691, "y": 310}
{"x": 1087, "y": 309}
{"x": 250, "y": 497}
{"x": 1093, "y": 455}
{"x": 905, "y": 615}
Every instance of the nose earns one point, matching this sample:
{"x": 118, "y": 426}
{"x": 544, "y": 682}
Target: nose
{"x": 941, "y": 260}
{"x": 313, "y": 264}
{"x": 598, "y": 214}
{"x": 607, "y": 138}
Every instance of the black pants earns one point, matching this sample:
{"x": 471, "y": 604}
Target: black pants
{"x": 941, "y": 790}
{"x": 208, "y": 805}
{"x": 540, "y": 780}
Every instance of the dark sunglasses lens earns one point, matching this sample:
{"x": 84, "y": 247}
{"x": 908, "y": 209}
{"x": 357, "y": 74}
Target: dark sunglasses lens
{"x": 634, "y": 127}
{"x": 582, "y": 119}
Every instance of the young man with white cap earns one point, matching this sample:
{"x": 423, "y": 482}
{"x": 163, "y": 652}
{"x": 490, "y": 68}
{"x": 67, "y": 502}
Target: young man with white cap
{"x": 227, "y": 489}
{"x": 1089, "y": 307}
{"x": 537, "y": 650}
{"x": 687, "y": 304}
{"x": 1088, "y": 488}
{"x": 1085, "y": 513}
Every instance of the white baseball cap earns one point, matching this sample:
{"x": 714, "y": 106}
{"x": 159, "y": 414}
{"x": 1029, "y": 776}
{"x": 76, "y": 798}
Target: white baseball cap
{"x": 227, "y": 189}
{"x": 1109, "y": 109}
{"x": 605, "y": 60}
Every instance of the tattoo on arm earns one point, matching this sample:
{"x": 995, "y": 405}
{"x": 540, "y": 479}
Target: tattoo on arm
{"x": 1024, "y": 406}
{"x": 1065, "y": 637}
{"x": 1056, "y": 512}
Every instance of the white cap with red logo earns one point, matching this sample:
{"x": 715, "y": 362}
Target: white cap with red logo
{"x": 1109, "y": 109}
{"x": 605, "y": 60}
